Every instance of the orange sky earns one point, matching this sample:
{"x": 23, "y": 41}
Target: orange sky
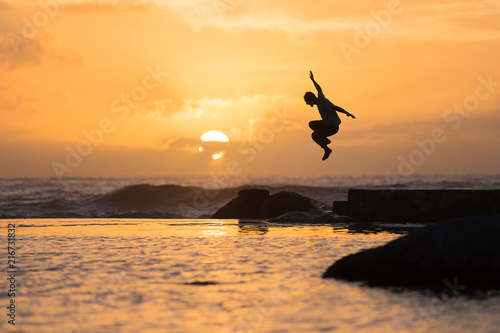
{"x": 126, "y": 88}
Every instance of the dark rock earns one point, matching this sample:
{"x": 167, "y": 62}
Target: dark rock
{"x": 253, "y": 199}
{"x": 463, "y": 254}
{"x": 258, "y": 204}
{"x": 232, "y": 210}
{"x": 247, "y": 205}
{"x": 282, "y": 202}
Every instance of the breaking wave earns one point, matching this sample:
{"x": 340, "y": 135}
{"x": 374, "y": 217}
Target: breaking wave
{"x": 184, "y": 197}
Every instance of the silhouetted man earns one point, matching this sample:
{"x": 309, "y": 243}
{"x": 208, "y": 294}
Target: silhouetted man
{"x": 329, "y": 125}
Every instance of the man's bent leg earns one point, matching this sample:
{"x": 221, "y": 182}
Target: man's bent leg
{"x": 315, "y": 125}
{"x": 320, "y": 140}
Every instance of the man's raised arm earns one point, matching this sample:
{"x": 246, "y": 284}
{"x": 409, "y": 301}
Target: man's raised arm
{"x": 316, "y": 85}
{"x": 339, "y": 109}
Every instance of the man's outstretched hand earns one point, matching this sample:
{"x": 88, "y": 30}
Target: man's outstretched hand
{"x": 316, "y": 85}
{"x": 351, "y": 115}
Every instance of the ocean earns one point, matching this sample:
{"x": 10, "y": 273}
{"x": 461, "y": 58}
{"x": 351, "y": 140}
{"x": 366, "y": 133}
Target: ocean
{"x": 187, "y": 197}
{"x": 142, "y": 255}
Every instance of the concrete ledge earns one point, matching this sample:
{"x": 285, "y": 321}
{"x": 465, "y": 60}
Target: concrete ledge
{"x": 341, "y": 208}
{"x": 417, "y": 205}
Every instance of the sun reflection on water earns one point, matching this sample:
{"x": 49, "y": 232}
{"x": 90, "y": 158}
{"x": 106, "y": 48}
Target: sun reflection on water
{"x": 208, "y": 276}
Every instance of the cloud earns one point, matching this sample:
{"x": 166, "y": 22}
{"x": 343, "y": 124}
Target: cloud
{"x": 445, "y": 20}
{"x": 437, "y": 20}
{"x": 109, "y": 6}
{"x": 262, "y": 128}
{"x": 11, "y": 98}
{"x": 208, "y": 108}
{"x": 4, "y": 5}
{"x": 18, "y": 51}
{"x": 259, "y": 17}
{"x": 153, "y": 109}
{"x": 190, "y": 110}
{"x": 478, "y": 127}
{"x": 170, "y": 142}
{"x": 489, "y": 21}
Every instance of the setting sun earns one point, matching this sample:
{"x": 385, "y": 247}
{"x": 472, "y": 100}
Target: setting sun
{"x": 214, "y": 136}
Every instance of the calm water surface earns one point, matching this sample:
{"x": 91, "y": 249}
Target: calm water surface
{"x": 111, "y": 275}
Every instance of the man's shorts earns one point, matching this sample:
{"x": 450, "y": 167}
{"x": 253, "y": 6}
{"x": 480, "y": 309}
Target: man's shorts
{"x": 322, "y": 128}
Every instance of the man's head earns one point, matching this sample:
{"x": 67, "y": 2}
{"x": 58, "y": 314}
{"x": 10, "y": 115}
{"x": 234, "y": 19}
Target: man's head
{"x": 310, "y": 98}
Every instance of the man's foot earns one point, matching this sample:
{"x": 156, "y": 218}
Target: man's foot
{"x": 328, "y": 151}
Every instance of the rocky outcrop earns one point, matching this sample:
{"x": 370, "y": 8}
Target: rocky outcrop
{"x": 258, "y": 204}
{"x": 247, "y": 205}
{"x": 285, "y": 201}
{"x": 464, "y": 253}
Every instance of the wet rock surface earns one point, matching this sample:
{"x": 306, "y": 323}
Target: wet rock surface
{"x": 258, "y": 204}
{"x": 464, "y": 253}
